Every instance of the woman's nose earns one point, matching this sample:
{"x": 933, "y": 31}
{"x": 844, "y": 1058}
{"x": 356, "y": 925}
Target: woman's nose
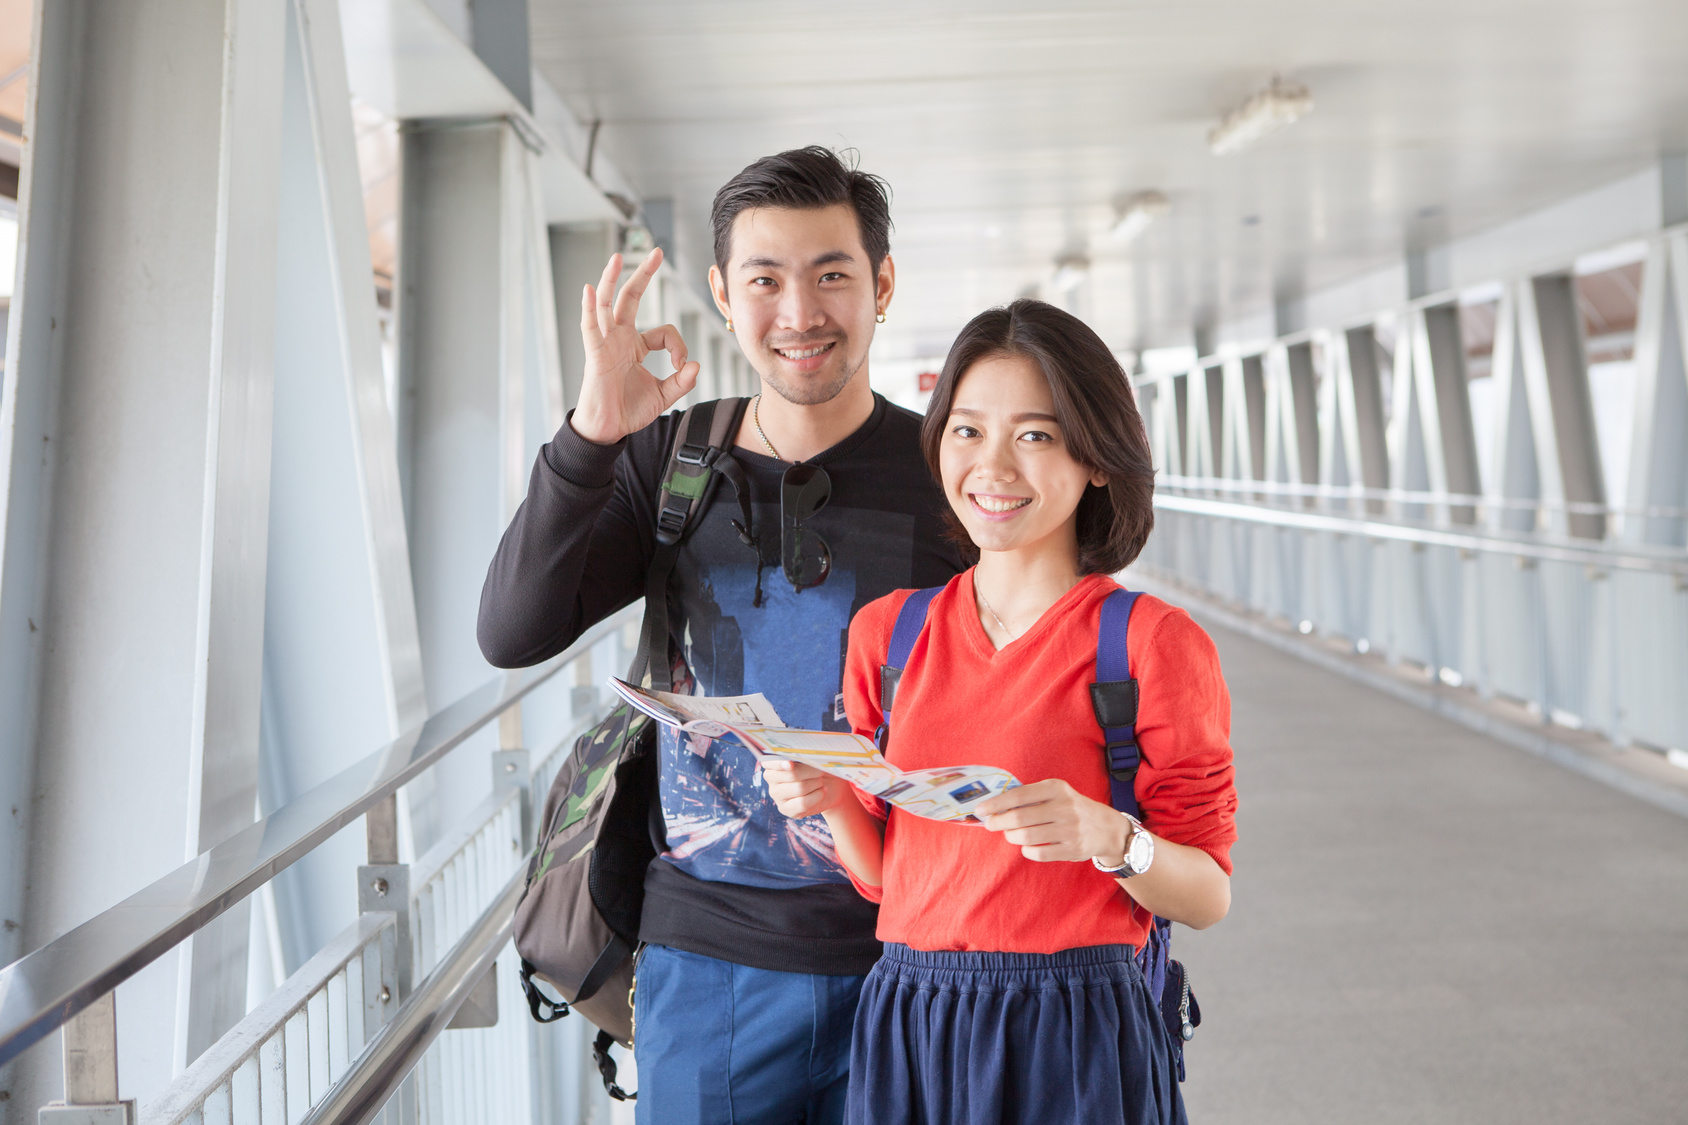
{"x": 996, "y": 462}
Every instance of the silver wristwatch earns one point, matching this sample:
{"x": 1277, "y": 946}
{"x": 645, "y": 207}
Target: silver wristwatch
{"x": 1139, "y": 852}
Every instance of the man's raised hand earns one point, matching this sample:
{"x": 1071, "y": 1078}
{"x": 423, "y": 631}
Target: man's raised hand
{"x": 618, "y": 395}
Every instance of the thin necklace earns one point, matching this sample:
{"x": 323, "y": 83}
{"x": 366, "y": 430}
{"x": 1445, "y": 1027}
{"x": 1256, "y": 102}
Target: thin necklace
{"x": 991, "y": 611}
{"x": 756, "y": 417}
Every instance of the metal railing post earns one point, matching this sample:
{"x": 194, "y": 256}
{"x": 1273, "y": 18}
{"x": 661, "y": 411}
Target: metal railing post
{"x": 384, "y": 887}
{"x": 90, "y": 1070}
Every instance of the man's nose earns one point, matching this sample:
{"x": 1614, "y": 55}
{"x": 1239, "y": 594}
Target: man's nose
{"x": 800, "y": 309}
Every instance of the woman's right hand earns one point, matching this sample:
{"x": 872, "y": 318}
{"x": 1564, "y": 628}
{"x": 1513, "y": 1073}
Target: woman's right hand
{"x": 618, "y": 394}
{"x": 799, "y": 790}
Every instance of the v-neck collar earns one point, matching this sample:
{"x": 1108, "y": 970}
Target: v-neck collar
{"x": 975, "y": 629}
{"x": 842, "y": 448}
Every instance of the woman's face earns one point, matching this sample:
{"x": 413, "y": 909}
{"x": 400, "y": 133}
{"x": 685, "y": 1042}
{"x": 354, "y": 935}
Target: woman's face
{"x": 1007, "y": 471}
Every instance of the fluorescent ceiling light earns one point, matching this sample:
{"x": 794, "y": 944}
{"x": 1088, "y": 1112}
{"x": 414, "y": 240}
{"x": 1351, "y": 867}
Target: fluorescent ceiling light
{"x": 1268, "y": 111}
{"x": 1137, "y": 213}
{"x": 1069, "y": 271}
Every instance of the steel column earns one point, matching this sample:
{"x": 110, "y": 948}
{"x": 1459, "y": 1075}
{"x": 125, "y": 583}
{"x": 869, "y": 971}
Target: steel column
{"x": 480, "y": 365}
{"x": 1561, "y": 407}
{"x": 1517, "y": 474}
{"x": 578, "y": 254}
{"x": 341, "y": 660}
{"x": 1658, "y": 474}
{"x": 133, "y": 462}
{"x": 1363, "y": 391}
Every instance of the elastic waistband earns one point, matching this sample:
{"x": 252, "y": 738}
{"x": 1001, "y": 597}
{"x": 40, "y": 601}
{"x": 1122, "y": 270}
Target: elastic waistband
{"x": 976, "y": 961}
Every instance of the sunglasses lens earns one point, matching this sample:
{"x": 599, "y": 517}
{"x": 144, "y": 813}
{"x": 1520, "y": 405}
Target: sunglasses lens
{"x": 807, "y": 559}
{"x": 804, "y": 555}
{"x": 804, "y": 490}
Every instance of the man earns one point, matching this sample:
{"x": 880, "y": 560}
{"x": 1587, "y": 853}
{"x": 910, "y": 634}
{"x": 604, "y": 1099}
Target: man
{"x": 756, "y": 943}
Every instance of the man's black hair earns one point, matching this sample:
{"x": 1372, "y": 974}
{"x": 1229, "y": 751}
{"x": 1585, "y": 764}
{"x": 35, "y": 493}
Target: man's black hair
{"x": 805, "y": 179}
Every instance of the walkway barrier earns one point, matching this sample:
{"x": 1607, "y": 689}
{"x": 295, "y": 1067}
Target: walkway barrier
{"x": 1588, "y": 633}
{"x": 354, "y": 1035}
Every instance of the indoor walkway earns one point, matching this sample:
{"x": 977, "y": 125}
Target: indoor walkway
{"x": 1430, "y": 926}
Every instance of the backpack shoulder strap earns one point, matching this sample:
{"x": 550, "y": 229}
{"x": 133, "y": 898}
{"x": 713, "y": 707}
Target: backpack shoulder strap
{"x": 1114, "y": 698}
{"x": 911, "y": 619}
{"x": 703, "y": 437}
{"x": 701, "y": 451}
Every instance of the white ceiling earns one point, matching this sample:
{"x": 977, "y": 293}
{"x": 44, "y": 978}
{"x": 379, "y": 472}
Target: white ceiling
{"x": 1006, "y": 131}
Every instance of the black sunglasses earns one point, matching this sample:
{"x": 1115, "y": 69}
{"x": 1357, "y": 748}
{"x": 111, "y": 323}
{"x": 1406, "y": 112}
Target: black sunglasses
{"x": 804, "y": 555}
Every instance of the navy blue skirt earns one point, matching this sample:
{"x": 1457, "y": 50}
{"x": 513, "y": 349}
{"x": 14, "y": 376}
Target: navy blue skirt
{"x": 993, "y": 1038}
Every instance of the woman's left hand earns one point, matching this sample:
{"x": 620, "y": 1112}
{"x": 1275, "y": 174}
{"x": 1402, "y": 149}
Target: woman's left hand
{"x": 1050, "y": 820}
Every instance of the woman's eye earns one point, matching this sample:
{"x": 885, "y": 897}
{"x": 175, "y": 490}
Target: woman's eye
{"x": 1035, "y": 435}
{"x": 965, "y": 431}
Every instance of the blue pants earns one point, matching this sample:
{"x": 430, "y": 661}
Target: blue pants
{"x": 1069, "y": 1038}
{"x": 723, "y": 1044}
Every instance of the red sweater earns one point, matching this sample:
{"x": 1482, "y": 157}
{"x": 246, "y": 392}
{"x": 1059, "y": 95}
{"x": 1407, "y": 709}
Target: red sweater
{"x": 1026, "y": 708}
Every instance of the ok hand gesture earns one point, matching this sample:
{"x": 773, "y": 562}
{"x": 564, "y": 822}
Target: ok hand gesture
{"x": 618, "y": 395}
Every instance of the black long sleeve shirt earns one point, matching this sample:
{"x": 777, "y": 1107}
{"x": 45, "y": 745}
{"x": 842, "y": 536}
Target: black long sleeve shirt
{"x": 738, "y": 881}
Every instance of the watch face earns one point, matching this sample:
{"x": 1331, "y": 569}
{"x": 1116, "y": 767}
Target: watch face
{"x": 1139, "y": 852}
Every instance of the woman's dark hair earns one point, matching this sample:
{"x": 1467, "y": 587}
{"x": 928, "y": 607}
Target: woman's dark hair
{"x": 805, "y": 179}
{"x": 1095, "y": 407}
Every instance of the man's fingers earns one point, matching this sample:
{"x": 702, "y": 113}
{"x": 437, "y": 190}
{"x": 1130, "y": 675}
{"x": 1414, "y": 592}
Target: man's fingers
{"x": 589, "y": 330}
{"x": 667, "y": 338}
{"x": 627, "y": 304}
{"x": 677, "y": 385}
{"x": 606, "y": 294}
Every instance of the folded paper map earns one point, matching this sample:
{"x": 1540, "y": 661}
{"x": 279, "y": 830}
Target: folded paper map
{"x": 948, "y": 793}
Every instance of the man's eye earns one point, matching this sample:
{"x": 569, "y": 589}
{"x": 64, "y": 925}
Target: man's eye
{"x": 763, "y": 282}
{"x": 832, "y": 277}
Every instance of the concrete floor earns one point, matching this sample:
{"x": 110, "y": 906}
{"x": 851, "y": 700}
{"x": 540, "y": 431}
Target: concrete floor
{"x": 1431, "y": 926}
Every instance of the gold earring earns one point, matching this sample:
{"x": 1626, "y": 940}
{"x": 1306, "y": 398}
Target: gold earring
{"x": 729, "y": 326}
{"x": 880, "y": 318}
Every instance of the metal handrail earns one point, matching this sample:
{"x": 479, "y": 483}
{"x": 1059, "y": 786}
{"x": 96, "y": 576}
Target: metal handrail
{"x": 394, "y": 1051}
{"x": 1628, "y": 558}
{"x": 41, "y": 991}
{"x": 1408, "y": 496}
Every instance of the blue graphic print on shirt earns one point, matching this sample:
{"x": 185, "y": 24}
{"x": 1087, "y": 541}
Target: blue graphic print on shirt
{"x": 721, "y": 824}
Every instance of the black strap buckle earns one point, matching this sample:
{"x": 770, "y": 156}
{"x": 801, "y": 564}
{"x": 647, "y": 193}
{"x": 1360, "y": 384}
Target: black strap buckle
{"x": 606, "y": 1067}
{"x": 1111, "y": 756}
{"x": 672, "y": 519}
{"x": 690, "y": 454}
{"x": 553, "y": 1010}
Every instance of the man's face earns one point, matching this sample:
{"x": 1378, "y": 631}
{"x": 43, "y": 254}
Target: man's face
{"x": 802, "y": 297}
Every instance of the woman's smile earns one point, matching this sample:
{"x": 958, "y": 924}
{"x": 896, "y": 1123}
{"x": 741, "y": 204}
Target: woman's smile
{"x": 995, "y": 506}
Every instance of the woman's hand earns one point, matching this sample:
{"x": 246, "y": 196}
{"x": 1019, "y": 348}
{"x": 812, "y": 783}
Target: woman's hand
{"x": 618, "y": 395}
{"x": 1050, "y": 821}
{"x": 801, "y": 790}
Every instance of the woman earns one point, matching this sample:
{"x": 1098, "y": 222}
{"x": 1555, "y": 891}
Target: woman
{"x": 1008, "y": 990}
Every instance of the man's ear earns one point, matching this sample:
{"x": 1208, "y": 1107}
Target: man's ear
{"x": 885, "y": 284}
{"x": 718, "y": 290}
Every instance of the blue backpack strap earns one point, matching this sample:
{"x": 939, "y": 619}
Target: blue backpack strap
{"x": 911, "y": 619}
{"x": 1114, "y": 699}
{"x": 1114, "y": 696}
